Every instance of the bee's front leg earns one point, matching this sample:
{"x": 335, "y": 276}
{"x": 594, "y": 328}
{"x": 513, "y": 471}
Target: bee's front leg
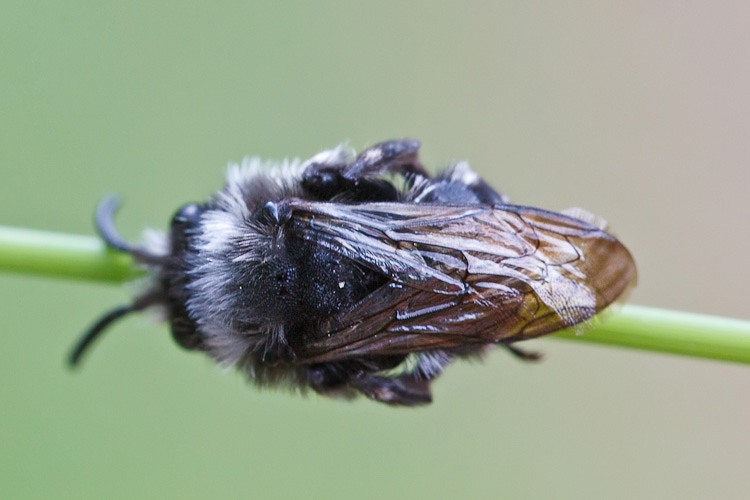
{"x": 329, "y": 175}
{"x": 392, "y": 157}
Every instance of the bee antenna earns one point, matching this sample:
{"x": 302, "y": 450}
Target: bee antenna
{"x": 105, "y": 224}
{"x": 106, "y": 321}
{"x": 93, "y": 333}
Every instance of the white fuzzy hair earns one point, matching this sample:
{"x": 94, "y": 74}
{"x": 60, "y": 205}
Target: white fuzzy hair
{"x": 226, "y": 235}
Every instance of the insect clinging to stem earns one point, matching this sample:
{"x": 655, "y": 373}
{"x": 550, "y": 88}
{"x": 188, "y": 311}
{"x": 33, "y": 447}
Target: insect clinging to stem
{"x": 367, "y": 275}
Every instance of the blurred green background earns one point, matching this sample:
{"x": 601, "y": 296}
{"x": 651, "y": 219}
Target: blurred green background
{"x": 637, "y": 111}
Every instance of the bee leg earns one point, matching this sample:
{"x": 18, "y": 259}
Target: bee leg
{"x": 393, "y": 157}
{"x": 524, "y": 355}
{"x": 405, "y": 390}
{"x": 105, "y": 224}
{"x": 459, "y": 184}
{"x": 328, "y": 174}
{"x": 486, "y": 194}
{"x": 326, "y": 183}
{"x": 328, "y": 379}
{"x": 324, "y": 179}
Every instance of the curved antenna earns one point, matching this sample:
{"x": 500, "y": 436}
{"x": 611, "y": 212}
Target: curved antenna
{"x": 141, "y": 303}
{"x": 105, "y": 224}
{"x": 93, "y": 333}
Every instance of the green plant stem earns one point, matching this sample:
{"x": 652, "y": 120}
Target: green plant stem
{"x": 65, "y": 255}
{"x": 675, "y": 332}
{"x": 86, "y": 257}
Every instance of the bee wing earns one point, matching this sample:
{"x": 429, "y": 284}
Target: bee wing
{"x": 462, "y": 274}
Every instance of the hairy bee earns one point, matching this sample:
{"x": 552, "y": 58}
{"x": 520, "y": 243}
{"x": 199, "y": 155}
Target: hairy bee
{"x": 366, "y": 275}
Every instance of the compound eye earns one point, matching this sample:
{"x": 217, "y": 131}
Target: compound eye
{"x": 187, "y": 216}
{"x": 183, "y": 226}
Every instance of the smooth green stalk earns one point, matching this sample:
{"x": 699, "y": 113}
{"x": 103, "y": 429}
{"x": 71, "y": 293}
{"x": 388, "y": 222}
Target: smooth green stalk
{"x": 86, "y": 257}
{"x": 675, "y": 332}
{"x": 55, "y": 254}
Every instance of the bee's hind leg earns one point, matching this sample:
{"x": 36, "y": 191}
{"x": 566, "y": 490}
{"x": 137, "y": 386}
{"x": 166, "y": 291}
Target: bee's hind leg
{"x": 524, "y": 355}
{"x": 346, "y": 379}
{"x": 404, "y": 390}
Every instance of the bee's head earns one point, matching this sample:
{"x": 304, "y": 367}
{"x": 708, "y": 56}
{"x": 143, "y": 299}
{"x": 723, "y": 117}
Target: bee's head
{"x": 231, "y": 269}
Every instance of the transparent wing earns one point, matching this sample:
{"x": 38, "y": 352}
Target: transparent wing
{"x": 462, "y": 274}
